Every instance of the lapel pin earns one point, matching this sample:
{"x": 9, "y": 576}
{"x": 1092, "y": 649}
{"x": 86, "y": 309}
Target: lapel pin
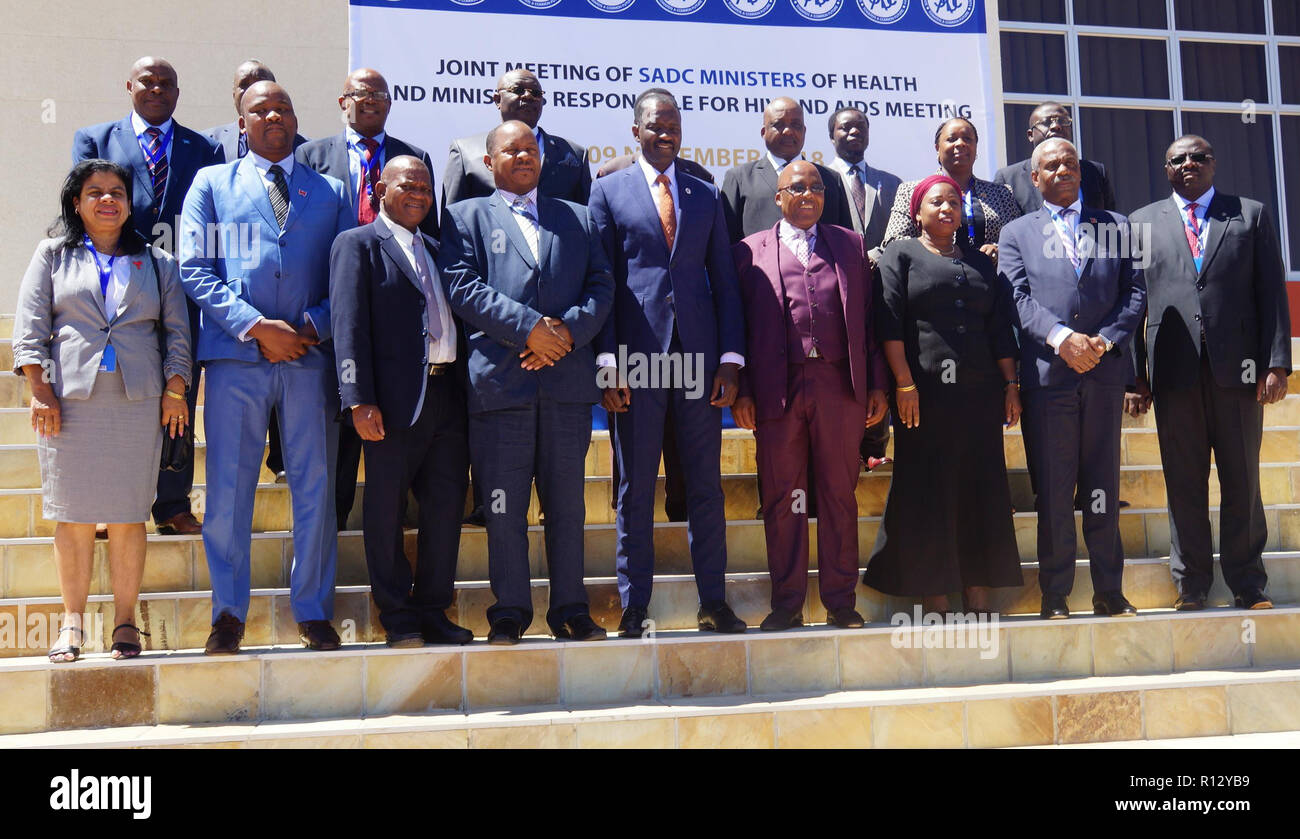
{"x": 688, "y": 190}
{"x": 136, "y": 263}
{"x": 302, "y": 192}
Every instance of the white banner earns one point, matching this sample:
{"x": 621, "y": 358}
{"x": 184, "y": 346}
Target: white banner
{"x": 908, "y": 64}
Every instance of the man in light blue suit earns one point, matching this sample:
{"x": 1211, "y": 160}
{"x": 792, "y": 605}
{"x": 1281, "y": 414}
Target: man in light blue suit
{"x": 528, "y": 275}
{"x": 254, "y": 252}
{"x": 677, "y": 306}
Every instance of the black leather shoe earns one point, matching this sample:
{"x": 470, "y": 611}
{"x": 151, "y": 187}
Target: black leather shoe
{"x": 1054, "y": 607}
{"x": 437, "y": 628}
{"x": 476, "y": 518}
{"x": 505, "y": 632}
{"x": 1252, "y": 600}
{"x": 1112, "y": 604}
{"x": 846, "y": 618}
{"x": 780, "y": 619}
{"x": 718, "y": 617}
{"x": 1190, "y": 602}
{"x": 630, "y": 625}
{"x": 318, "y": 635}
{"x": 580, "y": 627}
{"x": 225, "y": 637}
{"x": 404, "y": 640}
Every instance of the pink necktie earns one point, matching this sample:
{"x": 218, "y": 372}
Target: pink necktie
{"x": 1193, "y": 231}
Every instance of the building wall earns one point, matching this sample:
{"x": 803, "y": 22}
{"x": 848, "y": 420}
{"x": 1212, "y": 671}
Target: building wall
{"x": 66, "y": 64}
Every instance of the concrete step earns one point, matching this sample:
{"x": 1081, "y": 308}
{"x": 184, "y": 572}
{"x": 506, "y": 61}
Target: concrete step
{"x": 1020, "y": 658}
{"x": 1215, "y": 710}
{"x": 181, "y": 619}
{"x": 179, "y": 564}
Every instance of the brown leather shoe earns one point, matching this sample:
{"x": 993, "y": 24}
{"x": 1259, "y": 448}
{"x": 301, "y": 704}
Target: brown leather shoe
{"x": 181, "y": 524}
{"x": 226, "y": 634}
{"x": 318, "y": 635}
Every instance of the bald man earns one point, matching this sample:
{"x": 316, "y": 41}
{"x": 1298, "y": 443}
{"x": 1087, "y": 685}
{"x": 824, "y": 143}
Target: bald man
{"x": 749, "y": 190}
{"x": 400, "y": 379}
{"x": 264, "y": 341}
{"x": 163, "y": 157}
{"x": 229, "y": 139}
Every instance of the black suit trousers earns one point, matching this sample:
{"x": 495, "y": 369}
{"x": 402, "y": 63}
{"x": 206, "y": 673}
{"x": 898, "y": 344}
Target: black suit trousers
{"x": 1190, "y": 422}
{"x": 430, "y": 460}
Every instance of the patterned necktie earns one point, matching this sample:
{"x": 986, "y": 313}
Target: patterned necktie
{"x": 369, "y": 176}
{"x": 242, "y": 148}
{"x": 858, "y": 191}
{"x": 798, "y": 244}
{"x": 279, "y": 194}
{"x": 426, "y": 282}
{"x": 1193, "y": 230}
{"x": 667, "y": 213}
{"x": 1068, "y": 236}
{"x": 528, "y": 222}
{"x": 157, "y": 161}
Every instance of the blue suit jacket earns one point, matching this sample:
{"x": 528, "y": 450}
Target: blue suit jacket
{"x": 226, "y": 139}
{"x": 238, "y": 266}
{"x": 116, "y": 141}
{"x": 380, "y": 322}
{"x": 694, "y": 287}
{"x": 500, "y": 291}
{"x": 1107, "y": 299}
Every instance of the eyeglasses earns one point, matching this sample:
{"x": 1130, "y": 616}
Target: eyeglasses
{"x": 800, "y": 189}
{"x": 367, "y": 96}
{"x": 520, "y": 90}
{"x": 1196, "y": 157}
{"x": 1054, "y": 122}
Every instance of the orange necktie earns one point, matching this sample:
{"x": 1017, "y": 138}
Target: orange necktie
{"x": 667, "y": 214}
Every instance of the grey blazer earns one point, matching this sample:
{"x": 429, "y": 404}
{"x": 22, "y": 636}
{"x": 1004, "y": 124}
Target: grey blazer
{"x": 60, "y": 322}
{"x": 880, "y": 187}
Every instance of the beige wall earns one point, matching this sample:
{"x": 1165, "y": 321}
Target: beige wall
{"x": 66, "y": 64}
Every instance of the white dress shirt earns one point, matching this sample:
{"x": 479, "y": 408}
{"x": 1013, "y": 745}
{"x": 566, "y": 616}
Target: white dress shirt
{"x": 1060, "y": 332}
{"x": 608, "y": 359}
{"x": 443, "y": 350}
{"x": 787, "y": 232}
{"x": 140, "y": 125}
{"x": 778, "y": 164}
{"x": 1202, "y": 219}
{"x": 354, "y": 159}
{"x": 117, "y": 278}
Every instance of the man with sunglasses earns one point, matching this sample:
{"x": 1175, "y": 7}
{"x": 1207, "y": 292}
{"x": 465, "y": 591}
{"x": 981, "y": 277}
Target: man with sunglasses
{"x": 356, "y": 156}
{"x": 1215, "y": 350}
{"x": 565, "y": 170}
{"x": 1048, "y": 121}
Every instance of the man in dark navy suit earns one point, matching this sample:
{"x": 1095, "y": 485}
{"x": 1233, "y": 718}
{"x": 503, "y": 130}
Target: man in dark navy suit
{"x": 676, "y": 300}
{"x": 356, "y": 156}
{"x": 1080, "y": 295}
{"x": 529, "y": 277}
{"x": 164, "y": 157}
{"x": 230, "y": 140}
{"x": 400, "y": 372}
{"x": 1049, "y": 121}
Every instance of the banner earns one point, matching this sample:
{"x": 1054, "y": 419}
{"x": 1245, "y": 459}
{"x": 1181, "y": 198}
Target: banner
{"x": 908, "y": 64}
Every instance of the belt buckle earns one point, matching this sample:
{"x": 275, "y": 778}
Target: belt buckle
{"x": 437, "y": 369}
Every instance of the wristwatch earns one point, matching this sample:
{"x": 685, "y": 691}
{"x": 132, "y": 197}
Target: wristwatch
{"x": 1110, "y": 345}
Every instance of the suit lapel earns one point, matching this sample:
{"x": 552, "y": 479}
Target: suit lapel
{"x": 544, "y": 233}
{"x": 868, "y": 206}
{"x": 642, "y": 196}
{"x": 1220, "y": 220}
{"x": 299, "y": 194}
{"x": 388, "y": 244}
{"x": 125, "y": 146}
{"x": 763, "y": 168}
{"x": 690, "y": 202}
{"x": 139, "y": 268}
{"x": 505, "y": 217}
{"x": 1087, "y": 238}
{"x": 1171, "y": 227}
{"x": 336, "y": 160}
{"x": 251, "y": 181}
{"x": 768, "y": 261}
{"x": 180, "y": 160}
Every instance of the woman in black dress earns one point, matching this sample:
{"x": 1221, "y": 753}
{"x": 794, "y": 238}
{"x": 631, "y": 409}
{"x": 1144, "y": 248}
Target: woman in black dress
{"x": 946, "y": 324}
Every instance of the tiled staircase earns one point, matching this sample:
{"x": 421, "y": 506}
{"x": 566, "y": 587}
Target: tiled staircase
{"x": 1022, "y": 682}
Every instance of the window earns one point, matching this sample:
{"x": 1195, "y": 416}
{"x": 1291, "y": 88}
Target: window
{"x": 1130, "y": 143}
{"x": 1034, "y": 11}
{"x": 1223, "y": 72}
{"x": 1286, "y": 17}
{"x": 1291, "y": 181}
{"x": 1288, "y": 59}
{"x": 1123, "y": 67}
{"x": 1243, "y": 153}
{"x": 1144, "y": 14}
{"x": 1033, "y": 63}
{"x": 1220, "y": 15}
{"x": 1017, "y": 120}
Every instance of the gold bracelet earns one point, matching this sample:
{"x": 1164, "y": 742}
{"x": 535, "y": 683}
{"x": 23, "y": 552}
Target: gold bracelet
{"x": 907, "y": 389}
{"x": 174, "y": 395}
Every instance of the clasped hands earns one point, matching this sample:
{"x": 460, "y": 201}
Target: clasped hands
{"x": 1082, "y": 352}
{"x": 279, "y": 340}
{"x": 548, "y": 342}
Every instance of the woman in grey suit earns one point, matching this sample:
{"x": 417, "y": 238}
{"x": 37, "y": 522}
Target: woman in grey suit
{"x": 101, "y": 323}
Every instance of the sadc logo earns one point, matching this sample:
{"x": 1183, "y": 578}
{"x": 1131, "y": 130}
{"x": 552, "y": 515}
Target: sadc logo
{"x": 817, "y": 9}
{"x": 949, "y": 12}
{"x": 750, "y": 9}
{"x": 883, "y": 12}
{"x": 680, "y": 7}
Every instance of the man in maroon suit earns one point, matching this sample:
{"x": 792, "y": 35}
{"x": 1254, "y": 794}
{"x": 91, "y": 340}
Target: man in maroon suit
{"x": 815, "y": 379}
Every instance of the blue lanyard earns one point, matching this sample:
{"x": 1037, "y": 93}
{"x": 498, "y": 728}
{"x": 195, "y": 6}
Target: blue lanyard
{"x": 153, "y": 158}
{"x": 970, "y": 212}
{"x": 105, "y": 274}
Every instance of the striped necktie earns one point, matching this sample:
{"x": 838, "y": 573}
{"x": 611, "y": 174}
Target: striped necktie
{"x": 667, "y": 212}
{"x": 157, "y": 161}
{"x": 528, "y": 222}
{"x": 858, "y": 190}
{"x": 1193, "y": 231}
{"x": 279, "y": 194}
{"x": 369, "y": 176}
{"x": 426, "y": 281}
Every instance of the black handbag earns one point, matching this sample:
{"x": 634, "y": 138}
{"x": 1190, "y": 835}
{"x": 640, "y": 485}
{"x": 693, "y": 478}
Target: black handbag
{"x": 177, "y": 452}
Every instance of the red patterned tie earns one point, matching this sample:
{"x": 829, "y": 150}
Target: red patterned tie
{"x": 369, "y": 176}
{"x": 1193, "y": 231}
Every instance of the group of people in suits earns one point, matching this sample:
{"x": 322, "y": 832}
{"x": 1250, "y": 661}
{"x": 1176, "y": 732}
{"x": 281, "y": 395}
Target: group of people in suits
{"x": 476, "y": 337}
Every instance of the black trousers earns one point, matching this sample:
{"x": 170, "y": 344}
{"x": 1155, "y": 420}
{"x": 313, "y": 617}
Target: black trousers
{"x": 1190, "y": 422}
{"x": 430, "y": 459}
{"x": 674, "y": 481}
{"x": 1074, "y": 434}
{"x": 174, "y": 488}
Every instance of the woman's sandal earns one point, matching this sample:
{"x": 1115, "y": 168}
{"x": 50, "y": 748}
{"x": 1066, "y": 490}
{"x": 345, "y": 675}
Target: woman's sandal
{"x": 123, "y": 649}
{"x": 57, "y": 653}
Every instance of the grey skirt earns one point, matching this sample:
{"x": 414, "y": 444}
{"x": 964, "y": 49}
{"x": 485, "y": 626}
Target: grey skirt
{"x": 103, "y": 465}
